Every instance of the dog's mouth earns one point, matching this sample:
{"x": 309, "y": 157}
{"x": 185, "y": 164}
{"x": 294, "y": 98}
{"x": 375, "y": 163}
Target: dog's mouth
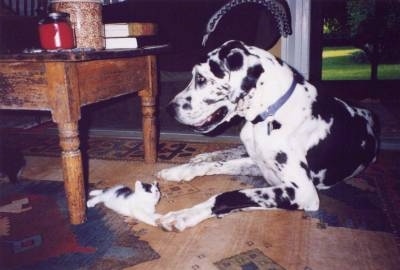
{"x": 211, "y": 121}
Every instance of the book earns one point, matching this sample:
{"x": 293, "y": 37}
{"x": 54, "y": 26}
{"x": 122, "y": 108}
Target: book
{"x": 131, "y": 42}
{"x": 129, "y": 29}
{"x": 121, "y": 43}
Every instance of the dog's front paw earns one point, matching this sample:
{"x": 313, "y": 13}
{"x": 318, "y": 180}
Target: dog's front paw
{"x": 204, "y": 157}
{"x": 177, "y": 173}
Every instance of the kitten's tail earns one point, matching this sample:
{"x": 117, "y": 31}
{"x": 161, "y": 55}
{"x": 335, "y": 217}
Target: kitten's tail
{"x": 95, "y": 192}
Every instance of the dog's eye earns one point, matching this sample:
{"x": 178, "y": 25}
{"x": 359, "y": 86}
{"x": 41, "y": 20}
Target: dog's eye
{"x": 200, "y": 80}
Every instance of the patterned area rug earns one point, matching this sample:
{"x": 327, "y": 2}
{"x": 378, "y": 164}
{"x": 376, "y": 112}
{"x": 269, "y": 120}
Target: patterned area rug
{"x": 36, "y": 233}
{"x": 112, "y": 148}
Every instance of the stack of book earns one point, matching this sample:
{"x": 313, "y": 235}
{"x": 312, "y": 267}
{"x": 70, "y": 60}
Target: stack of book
{"x": 130, "y": 35}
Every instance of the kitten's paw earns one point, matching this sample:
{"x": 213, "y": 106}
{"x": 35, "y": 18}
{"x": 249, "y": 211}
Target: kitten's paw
{"x": 178, "y": 173}
{"x": 91, "y": 203}
{"x": 95, "y": 192}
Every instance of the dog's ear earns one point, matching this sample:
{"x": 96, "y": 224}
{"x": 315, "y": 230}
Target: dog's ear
{"x": 232, "y": 54}
{"x": 229, "y": 57}
{"x": 234, "y": 60}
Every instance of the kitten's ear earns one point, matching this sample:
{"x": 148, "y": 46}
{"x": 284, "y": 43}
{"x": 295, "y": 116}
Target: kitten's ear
{"x": 156, "y": 184}
{"x": 138, "y": 185}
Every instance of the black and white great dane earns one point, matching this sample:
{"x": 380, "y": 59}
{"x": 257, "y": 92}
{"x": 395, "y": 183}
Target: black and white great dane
{"x": 296, "y": 137}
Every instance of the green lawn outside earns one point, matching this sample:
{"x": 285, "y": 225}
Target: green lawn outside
{"x": 337, "y": 64}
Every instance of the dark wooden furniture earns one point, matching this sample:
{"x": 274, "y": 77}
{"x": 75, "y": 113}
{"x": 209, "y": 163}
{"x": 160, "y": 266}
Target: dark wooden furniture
{"x": 62, "y": 82}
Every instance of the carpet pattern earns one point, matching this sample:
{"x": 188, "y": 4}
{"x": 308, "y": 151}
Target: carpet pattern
{"x": 50, "y": 242}
{"x": 250, "y": 260}
{"x": 112, "y": 148}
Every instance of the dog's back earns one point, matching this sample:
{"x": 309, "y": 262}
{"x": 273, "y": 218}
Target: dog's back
{"x": 351, "y": 144}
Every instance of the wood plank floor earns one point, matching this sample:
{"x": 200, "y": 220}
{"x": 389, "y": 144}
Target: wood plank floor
{"x": 285, "y": 240}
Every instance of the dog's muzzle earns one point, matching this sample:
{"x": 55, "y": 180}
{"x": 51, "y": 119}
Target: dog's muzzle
{"x": 206, "y": 125}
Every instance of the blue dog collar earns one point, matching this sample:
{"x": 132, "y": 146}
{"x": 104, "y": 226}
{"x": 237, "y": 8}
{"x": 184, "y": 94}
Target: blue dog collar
{"x": 273, "y": 108}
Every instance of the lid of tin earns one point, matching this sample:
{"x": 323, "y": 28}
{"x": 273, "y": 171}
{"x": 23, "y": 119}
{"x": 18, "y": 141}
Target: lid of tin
{"x": 54, "y": 16}
{"x": 58, "y": 15}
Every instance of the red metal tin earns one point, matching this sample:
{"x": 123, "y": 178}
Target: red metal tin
{"x": 55, "y": 32}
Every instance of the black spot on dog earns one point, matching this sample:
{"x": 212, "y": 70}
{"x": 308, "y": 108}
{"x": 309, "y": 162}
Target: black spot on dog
{"x": 230, "y": 201}
{"x": 276, "y": 125}
{"x": 200, "y": 80}
{"x": 278, "y": 192}
{"x": 216, "y": 69}
{"x": 316, "y": 181}
{"x": 211, "y": 101}
{"x": 227, "y": 48}
{"x": 250, "y": 81}
{"x": 294, "y": 184}
{"x": 281, "y": 157}
{"x": 283, "y": 202}
{"x": 297, "y": 76}
{"x": 235, "y": 61}
{"x": 189, "y": 99}
{"x": 279, "y": 61}
{"x": 257, "y": 120}
{"x": 186, "y": 106}
{"x": 305, "y": 167}
{"x": 265, "y": 196}
{"x": 123, "y": 191}
{"x": 290, "y": 192}
{"x": 343, "y": 143}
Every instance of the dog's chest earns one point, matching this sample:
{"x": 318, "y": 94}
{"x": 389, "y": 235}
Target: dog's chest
{"x": 263, "y": 139}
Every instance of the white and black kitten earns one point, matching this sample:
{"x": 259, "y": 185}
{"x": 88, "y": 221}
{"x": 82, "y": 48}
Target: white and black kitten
{"x": 139, "y": 204}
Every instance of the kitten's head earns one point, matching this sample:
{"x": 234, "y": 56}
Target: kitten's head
{"x": 148, "y": 192}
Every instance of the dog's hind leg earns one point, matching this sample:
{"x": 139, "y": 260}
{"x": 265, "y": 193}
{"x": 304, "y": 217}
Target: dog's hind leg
{"x": 288, "y": 196}
{"x": 188, "y": 171}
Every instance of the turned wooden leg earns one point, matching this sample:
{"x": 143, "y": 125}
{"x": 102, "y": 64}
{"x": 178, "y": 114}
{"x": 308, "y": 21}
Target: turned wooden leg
{"x": 149, "y": 129}
{"x": 72, "y": 171}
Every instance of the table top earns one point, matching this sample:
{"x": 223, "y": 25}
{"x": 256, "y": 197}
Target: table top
{"x": 77, "y": 55}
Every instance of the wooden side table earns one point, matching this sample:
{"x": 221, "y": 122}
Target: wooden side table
{"x": 62, "y": 82}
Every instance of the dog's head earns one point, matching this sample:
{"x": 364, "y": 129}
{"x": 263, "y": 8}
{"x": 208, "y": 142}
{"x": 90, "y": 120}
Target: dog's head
{"x": 218, "y": 86}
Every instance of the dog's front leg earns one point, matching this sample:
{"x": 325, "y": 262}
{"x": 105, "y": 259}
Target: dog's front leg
{"x": 188, "y": 171}
{"x": 288, "y": 196}
{"x": 221, "y": 155}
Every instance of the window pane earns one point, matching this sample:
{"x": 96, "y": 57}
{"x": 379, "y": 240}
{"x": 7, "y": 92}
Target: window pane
{"x": 389, "y": 71}
{"x": 361, "y": 40}
{"x": 344, "y": 63}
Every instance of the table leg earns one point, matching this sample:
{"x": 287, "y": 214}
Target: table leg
{"x": 149, "y": 129}
{"x": 72, "y": 171}
{"x": 148, "y": 97}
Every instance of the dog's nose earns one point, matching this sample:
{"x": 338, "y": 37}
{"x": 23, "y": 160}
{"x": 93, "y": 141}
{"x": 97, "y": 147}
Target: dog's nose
{"x": 171, "y": 108}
